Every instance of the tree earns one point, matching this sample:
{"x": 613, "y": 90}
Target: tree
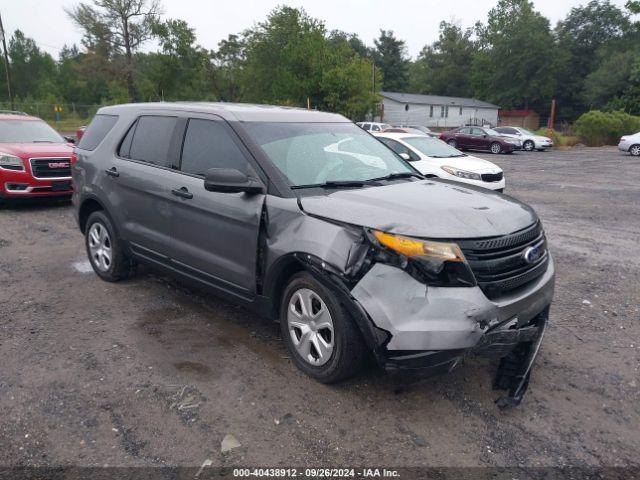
{"x": 581, "y": 38}
{"x": 391, "y": 58}
{"x": 229, "y": 61}
{"x": 116, "y": 26}
{"x": 514, "y": 65}
{"x": 443, "y": 67}
{"x": 33, "y": 71}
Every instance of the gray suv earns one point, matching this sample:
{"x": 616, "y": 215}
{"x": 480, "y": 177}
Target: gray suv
{"x": 309, "y": 220}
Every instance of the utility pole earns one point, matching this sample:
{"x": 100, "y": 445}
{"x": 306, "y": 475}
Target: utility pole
{"x": 552, "y": 118}
{"x": 6, "y": 63}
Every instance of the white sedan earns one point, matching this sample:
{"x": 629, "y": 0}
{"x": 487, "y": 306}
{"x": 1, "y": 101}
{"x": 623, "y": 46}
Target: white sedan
{"x": 530, "y": 141}
{"x": 434, "y": 158}
{"x": 631, "y": 144}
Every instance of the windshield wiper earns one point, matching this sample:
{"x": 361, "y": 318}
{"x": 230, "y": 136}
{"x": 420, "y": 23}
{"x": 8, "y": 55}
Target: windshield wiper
{"x": 332, "y": 184}
{"x": 394, "y": 176}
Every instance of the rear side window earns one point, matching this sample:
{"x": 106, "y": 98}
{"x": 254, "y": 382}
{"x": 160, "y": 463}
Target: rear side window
{"x": 151, "y": 139}
{"x": 96, "y": 131}
{"x": 208, "y": 144}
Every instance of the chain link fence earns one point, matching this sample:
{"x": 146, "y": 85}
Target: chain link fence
{"x": 63, "y": 116}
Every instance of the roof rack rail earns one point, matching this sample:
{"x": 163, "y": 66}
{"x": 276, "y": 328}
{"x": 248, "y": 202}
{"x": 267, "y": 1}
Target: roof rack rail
{"x": 14, "y": 112}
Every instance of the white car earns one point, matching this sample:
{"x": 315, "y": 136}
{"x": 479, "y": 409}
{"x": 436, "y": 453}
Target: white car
{"x": 373, "y": 126}
{"x": 631, "y": 144}
{"x": 434, "y": 158}
{"x": 530, "y": 141}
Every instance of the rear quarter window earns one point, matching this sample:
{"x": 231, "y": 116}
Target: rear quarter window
{"x": 99, "y": 127}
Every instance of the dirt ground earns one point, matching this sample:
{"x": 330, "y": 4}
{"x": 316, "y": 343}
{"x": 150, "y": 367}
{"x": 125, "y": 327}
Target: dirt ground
{"x": 148, "y": 373}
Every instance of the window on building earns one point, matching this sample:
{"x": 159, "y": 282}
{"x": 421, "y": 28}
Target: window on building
{"x": 460, "y": 111}
{"x": 442, "y": 111}
{"x": 446, "y": 111}
{"x": 431, "y": 111}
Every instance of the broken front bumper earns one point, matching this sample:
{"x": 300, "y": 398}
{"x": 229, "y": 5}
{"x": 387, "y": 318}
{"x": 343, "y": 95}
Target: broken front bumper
{"x": 431, "y": 329}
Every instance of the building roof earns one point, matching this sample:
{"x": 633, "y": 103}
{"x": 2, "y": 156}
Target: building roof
{"x": 517, "y": 113}
{"x": 243, "y": 112}
{"x": 436, "y": 100}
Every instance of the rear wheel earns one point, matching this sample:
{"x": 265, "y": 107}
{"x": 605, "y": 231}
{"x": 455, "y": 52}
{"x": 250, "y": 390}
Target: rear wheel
{"x": 105, "y": 250}
{"x": 529, "y": 146}
{"x": 496, "y": 148}
{"x": 635, "y": 150}
{"x": 453, "y": 143}
{"x": 323, "y": 340}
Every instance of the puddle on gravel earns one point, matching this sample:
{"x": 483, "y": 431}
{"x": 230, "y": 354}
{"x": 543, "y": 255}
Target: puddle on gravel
{"x": 82, "y": 266}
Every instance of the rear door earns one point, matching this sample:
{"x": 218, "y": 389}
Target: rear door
{"x": 478, "y": 139}
{"x": 215, "y": 234}
{"x": 463, "y": 137}
{"x": 141, "y": 175}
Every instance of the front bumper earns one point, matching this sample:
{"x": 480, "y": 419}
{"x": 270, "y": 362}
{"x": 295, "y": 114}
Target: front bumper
{"x": 478, "y": 183}
{"x": 20, "y": 184}
{"x": 433, "y": 328}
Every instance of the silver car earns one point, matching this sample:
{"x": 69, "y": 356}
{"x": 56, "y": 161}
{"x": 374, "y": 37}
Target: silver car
{"x": 307, "y": 219}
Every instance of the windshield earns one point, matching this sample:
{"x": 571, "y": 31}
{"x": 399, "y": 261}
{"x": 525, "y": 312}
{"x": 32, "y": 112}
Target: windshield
{"x": 28, "y": 131}
{"x": 315, "y": 153}
{"x": 432, "y": 147}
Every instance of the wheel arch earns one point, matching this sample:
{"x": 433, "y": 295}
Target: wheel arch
{"x": 87, "y": 207}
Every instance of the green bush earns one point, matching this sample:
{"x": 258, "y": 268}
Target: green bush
{"x": 559, "y": 139}
{"x": 596, "y": 128}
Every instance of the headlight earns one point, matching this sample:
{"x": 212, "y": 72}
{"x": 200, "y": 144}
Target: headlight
{"x": 11, "y": 162}
{"x": 433, "y": 263}
{"x": 462, "y": 173}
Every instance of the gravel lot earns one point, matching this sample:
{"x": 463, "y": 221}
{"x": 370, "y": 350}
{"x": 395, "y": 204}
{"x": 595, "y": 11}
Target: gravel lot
{"x": 146, "y": 372}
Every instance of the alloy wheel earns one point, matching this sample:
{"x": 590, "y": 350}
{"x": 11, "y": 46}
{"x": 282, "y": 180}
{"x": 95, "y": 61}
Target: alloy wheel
{"x": 100, "y": 246}
{"x": 529, "y": 146}
{"x": 496, "y": 148}
{"x": 635, "y": 150}
{"x": 453, "y": 143}
{"x": 310, "y": 327}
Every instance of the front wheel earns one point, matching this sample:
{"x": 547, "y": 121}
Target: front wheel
{"x": 635, "y": 150}
{"x": 322, "y": 338}
{"x": 105, "y": 250}
{"x": 496, "y": 148}
{"x": 529, "y": 146}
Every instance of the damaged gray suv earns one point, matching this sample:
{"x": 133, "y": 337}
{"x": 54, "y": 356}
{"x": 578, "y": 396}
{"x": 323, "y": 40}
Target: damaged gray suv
{"x": 307, "y": 219}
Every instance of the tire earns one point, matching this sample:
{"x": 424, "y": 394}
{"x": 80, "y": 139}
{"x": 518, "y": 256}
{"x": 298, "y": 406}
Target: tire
{"x": 342, "y": 352}
{"x": 105, "y": 249}
{"x": 635, "y": 150}
{"x": 495, "y": 148}
{"x": 453, "y": 143}
{"x": 529, "y": 146}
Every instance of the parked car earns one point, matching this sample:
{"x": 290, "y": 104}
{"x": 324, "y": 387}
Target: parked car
{"x": 35, "y": 161}
{"x": 480, "y": 138}
{"x": 306, "y": 219}
{"x": 423, "y": 129}
{"x": 631, "y": 144}
{"x": 434, "y": 158}
{"x": 530, "y": 141}
{"x": 373, "y": 126}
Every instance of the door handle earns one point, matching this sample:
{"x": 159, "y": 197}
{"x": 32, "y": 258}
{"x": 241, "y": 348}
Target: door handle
{"x": 182, "y": 192}
{"x": 112, "y": 172}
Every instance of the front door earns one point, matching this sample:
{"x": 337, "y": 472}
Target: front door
{"x": 215, "y": 234}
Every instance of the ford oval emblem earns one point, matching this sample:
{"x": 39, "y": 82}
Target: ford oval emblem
{"x": 532, "y": 254}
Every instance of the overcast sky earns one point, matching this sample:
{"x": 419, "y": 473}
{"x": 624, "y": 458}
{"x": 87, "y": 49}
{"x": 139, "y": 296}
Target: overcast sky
{"x": 415, "y": 21}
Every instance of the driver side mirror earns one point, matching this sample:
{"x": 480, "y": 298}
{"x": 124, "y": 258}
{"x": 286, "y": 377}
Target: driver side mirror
{"x": 70, "y": 139}
{"x": 230, "y": 180}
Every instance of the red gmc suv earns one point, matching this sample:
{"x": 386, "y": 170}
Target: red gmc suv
{"x": 35, "y": 161}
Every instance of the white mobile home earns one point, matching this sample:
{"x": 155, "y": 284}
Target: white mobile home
{"x": 436, "y": 111}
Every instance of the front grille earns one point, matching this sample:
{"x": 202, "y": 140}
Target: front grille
{"x": 51, "y": 167}
{"x": 492, "y": 177}
{"x": 499, "y": 263}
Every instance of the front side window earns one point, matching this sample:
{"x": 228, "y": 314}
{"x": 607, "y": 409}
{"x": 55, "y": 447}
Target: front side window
{"x": 151, "y": 140}
{"x": 464, "y": 130}
{"x": 477, "y": 131}
{"x": 208, "y": 144}
{"x": 400, "y": 148}
{"x": 28, "y": 131}
{"x": 315, "y": 153}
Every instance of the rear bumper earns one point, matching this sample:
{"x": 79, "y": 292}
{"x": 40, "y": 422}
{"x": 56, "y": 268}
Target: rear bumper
{"x": 624, "y": 146}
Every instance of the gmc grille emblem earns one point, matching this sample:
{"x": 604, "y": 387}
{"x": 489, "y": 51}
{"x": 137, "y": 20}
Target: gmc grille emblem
{"x": 58, "y": 165}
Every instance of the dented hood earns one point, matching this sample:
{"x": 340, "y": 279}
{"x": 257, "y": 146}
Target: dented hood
{"x": 426, "y": 208}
